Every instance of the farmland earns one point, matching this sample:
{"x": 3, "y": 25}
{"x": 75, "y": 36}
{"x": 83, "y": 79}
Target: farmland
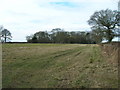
{"x": 57, "y": 66}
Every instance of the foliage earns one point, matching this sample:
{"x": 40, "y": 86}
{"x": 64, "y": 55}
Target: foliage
{"x": 105, "y": 21}
{"x": 5, "y": 35}
{"x": 58, "y": 35}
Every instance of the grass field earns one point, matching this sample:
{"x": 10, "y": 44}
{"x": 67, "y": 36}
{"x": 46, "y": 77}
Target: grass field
{"x": 57, "y": 66}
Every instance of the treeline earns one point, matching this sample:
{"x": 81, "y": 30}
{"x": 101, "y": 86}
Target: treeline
{"x": 104, "y": 26}
{"x": 60, "y": 36}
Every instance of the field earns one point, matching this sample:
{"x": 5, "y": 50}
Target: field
{"x": 57, "y": 66}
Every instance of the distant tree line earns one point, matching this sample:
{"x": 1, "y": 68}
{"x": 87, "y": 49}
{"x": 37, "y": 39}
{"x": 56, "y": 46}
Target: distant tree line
{"x": 105, "y": 25}
{"x": 58, "y": 35}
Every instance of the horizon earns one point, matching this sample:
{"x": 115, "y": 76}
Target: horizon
{"x": 25, "y": 17}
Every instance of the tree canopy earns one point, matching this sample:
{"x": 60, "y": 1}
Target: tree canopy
{"x": 58, "y": 35}
{"x": 105, "y": 22}
{"x": 5, "y": 35}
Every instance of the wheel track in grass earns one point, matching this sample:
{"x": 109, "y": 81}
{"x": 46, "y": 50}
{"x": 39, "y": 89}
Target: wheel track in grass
{"x": 68, "y": 66}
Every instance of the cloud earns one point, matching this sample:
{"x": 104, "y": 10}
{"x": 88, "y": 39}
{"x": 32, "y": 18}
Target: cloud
{"x": 65, "y": 4}
{"x": 24, "y": 17}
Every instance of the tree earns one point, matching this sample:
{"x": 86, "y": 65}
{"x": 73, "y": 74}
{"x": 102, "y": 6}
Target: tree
{"x": 6, "y": 35}
{"x": 106, "y": 21}
{"x": 34, "y": 39}
{"x": 97, "y": 35}
{"x": 39, "y": 37}
{"x": 42, "y": 36}
{"x": 60, "y": 36}
{"x": 29, "y": 38}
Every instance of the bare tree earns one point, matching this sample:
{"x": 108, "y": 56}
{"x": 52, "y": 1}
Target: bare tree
{"x": 107, "y": 22}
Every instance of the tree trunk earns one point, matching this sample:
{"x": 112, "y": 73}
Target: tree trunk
{"x": 5, "y": 37}
{"x": 109, "y": 40}
{"x": 109, "y": 35}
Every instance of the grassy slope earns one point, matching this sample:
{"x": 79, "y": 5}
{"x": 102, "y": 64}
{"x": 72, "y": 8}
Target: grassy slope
{"x": 56, "y": 65}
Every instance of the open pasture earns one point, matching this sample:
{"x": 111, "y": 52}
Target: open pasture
{"x": 56, "y": 66}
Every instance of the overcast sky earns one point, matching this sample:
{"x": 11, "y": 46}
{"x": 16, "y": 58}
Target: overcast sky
{"x": 25, "y": 17}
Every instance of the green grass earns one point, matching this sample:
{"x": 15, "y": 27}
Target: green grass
{"x": 56, "y": 65}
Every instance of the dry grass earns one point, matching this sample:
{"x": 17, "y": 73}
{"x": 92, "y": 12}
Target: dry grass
{"x": 56, "y": 65}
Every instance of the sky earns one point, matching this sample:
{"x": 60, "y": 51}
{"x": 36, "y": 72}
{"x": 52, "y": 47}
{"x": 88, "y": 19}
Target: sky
{"x": 25, "y": 17}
